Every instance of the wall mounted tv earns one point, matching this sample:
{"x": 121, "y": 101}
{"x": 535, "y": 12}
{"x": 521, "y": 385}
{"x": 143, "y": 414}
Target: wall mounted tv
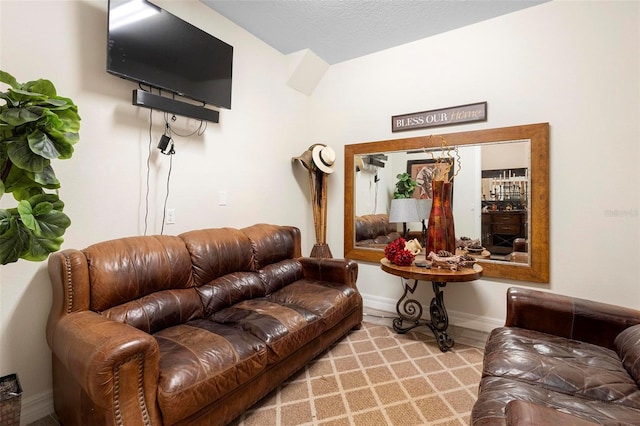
{"x": 149, "y": 45}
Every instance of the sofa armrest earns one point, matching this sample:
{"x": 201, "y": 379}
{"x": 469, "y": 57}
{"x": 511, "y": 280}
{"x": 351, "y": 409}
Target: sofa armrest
{"x": 342, "y": 271}
{"x": 115, "y": 364}
{"x": 524, "y": 413}
{"x": 580, "y": 319}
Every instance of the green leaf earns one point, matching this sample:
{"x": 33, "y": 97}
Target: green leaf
{"x": 58, "y": 204}
{"x": 19, "y": 182}
{"x": 63, "y": 142}
{"x": 46, "y": 178}
{"x": 53, "y": 224}
{"x": 5, "y": 77}
{"x": 39, "y": 248}
{"x": 42, "y": 208}
{"x": 47, "y": 211}
{"x": 14, "y": 241}
{"x": 26, "y": 97}
{"x": 11, "y": 102}
{"x": 42, "y": 87}
{"x": 18, "y": 116}
{"x": 36, "y": 234}
{"x": 41, "y": 144}
{"x": 70, "y": 119}
{"x": 5, "y": 220}
{"x": 27, "y": 217}
{"x": 53, "y": 199}
{"x": 58, "y": 103}
{"x": 23, "y": 157}
{"x": 51, "y": 119}
{"x": 24, "y": 185}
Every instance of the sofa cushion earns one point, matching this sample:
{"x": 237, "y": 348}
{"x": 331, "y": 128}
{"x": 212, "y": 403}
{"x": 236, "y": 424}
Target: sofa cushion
{"x": 271, "y": 243}
{"x": 218, "y": 252}
{"x": 496, "y": 392}
{"x": 559, "y": 364}
{"x": 201, "y": 361}
{"x": 126, "y": 269}
{"x": 280, "y": 274}
{"x": 330, "y": 301}
{"x": 283, "y": 327}
{"x": 628, "y": 347}
{"x": 230, "y": 289}
{"x": 159, "y": 310}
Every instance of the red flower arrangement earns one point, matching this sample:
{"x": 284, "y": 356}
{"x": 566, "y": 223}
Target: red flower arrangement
{"x": 397, "y": 254}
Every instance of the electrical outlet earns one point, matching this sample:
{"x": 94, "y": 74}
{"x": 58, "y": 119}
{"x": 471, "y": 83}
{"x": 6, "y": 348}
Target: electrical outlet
{"x": 170, "y": 216}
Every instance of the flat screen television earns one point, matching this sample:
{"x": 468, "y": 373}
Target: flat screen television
{"x": 149, "y": 45}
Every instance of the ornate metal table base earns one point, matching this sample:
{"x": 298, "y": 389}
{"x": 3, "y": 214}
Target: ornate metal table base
{"x": 410, "y": 311}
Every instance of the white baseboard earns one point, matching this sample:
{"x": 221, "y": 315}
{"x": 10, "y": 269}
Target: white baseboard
{"x": 36, "y": 407}
{"x": 467, "y": 329}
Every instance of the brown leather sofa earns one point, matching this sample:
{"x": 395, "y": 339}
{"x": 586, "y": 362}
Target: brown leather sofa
{"x": 190, "y": 329}
{"x": 374, "y": 230}
{"x": 561, "y": 361}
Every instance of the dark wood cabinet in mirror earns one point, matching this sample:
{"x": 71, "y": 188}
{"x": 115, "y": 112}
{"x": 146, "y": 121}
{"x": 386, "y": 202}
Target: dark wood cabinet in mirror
{"x": 493, "y": 216}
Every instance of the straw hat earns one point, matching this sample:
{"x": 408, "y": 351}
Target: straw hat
{"x": 317, "y": 156}
{"x": 306, "y": 159}
{"x": 323, "y": 157}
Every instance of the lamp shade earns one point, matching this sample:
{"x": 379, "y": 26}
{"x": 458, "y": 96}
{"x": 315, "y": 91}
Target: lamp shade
{"x": 404, "y": 210}
{"x": 424, "y": 208}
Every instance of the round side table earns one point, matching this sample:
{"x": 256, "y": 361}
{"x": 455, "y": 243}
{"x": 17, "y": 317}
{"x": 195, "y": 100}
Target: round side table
{"x": 410, "y": 310}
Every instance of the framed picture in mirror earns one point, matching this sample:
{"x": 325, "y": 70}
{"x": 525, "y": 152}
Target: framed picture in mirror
{"x": 425, "y": 171}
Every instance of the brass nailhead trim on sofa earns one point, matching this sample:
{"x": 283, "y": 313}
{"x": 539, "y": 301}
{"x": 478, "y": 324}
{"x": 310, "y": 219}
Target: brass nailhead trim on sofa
{"x": 116, "y": 388}
{"x": 69, "y": 286}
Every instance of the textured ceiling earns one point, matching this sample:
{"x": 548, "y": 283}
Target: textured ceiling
{"x": 339, "y": 30}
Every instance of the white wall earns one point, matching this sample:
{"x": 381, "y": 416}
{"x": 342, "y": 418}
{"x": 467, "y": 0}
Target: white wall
{"x": 572, "y": 64}
{"x": 248, "y": 155}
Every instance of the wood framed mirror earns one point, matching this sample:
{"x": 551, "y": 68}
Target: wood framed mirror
{"x": 478, "y": 204}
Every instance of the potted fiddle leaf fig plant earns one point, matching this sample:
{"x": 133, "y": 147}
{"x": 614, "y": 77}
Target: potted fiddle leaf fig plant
{"x": 36, "y": 126}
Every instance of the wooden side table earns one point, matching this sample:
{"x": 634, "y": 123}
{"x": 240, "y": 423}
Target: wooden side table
{"x": 410, "y": 310}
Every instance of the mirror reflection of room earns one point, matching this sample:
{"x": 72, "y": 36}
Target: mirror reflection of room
{"x": 490, "y": 198}
{"x": 505, "y": 200}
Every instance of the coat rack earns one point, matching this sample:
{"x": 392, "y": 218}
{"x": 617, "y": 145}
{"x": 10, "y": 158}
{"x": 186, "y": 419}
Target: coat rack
{"x": 319, "y": 160}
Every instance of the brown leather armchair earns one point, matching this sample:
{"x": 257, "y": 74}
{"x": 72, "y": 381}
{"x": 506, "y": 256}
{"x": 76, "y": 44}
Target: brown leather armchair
{"x": 190, "y": 329}
{"x": 568, "y": 360}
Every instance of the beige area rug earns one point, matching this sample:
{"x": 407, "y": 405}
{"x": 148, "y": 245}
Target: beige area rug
{"x": 377, "y": 377}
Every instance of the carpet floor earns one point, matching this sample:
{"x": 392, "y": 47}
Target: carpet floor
{"x": 375, "y": 376}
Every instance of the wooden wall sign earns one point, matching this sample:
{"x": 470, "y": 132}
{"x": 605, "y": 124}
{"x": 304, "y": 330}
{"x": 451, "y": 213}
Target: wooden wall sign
{"x": 440, "y": 117}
